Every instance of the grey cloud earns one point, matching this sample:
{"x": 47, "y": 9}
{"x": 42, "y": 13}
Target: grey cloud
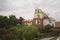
{"x": 4, "y": 5}
{"x": 26, "y": 8}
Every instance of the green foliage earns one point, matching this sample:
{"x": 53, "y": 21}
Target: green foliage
{"x": 20, "y": 20}
{"x": 31, "y": 33}
{"x": 25, "y": 33}
{"x": 12, "y": 20}
{"x": 46, "y": 29}
{"x": 48, "y": 26}
{"x": 6, "y": 22}
{"x": 3, "y": 21}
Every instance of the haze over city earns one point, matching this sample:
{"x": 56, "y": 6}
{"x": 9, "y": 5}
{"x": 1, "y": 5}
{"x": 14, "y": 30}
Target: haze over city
{"x": 25, "y": 8}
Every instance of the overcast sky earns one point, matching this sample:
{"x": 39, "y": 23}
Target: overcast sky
{"x": 25, "y": 8}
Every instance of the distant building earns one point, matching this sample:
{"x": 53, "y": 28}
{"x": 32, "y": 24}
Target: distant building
{"x": 57, "y": 24}
{"x": 27, "y": 22}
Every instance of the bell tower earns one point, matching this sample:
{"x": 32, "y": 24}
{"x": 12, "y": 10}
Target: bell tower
{"x": 38, "y": 13}
{"x": 38, "y": 17}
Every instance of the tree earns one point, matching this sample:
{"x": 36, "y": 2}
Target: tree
{"x": 3, "y": 21}
{"x": 1, "y": 18}
{"x": 20, "y": 20}
{"x": 47, "y": 28}
{"x": 12, "y": 20}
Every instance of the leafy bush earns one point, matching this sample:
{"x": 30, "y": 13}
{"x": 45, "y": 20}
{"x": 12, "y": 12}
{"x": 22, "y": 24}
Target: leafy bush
{"x": 31, "y": 33}
{"x": 24, "y": 33}
{"x": 48, "y": 26}
{"x": 46, "y": 29}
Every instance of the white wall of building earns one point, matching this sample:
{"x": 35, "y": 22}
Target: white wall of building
{"x": 46, "y": 21}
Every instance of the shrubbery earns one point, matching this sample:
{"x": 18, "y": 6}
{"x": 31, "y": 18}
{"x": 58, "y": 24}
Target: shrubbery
{"x": 25, "y": 33}
{"x": 48, "y": 26}
{"x": 46, "y": 29}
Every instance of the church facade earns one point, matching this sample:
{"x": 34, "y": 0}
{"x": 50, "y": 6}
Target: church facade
{"x": 42, "y": 19}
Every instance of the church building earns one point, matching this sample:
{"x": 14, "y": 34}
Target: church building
{"x": 40, "y": 19}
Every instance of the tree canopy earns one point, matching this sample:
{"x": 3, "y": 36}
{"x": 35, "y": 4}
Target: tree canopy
{"x": 6, "y": 22}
